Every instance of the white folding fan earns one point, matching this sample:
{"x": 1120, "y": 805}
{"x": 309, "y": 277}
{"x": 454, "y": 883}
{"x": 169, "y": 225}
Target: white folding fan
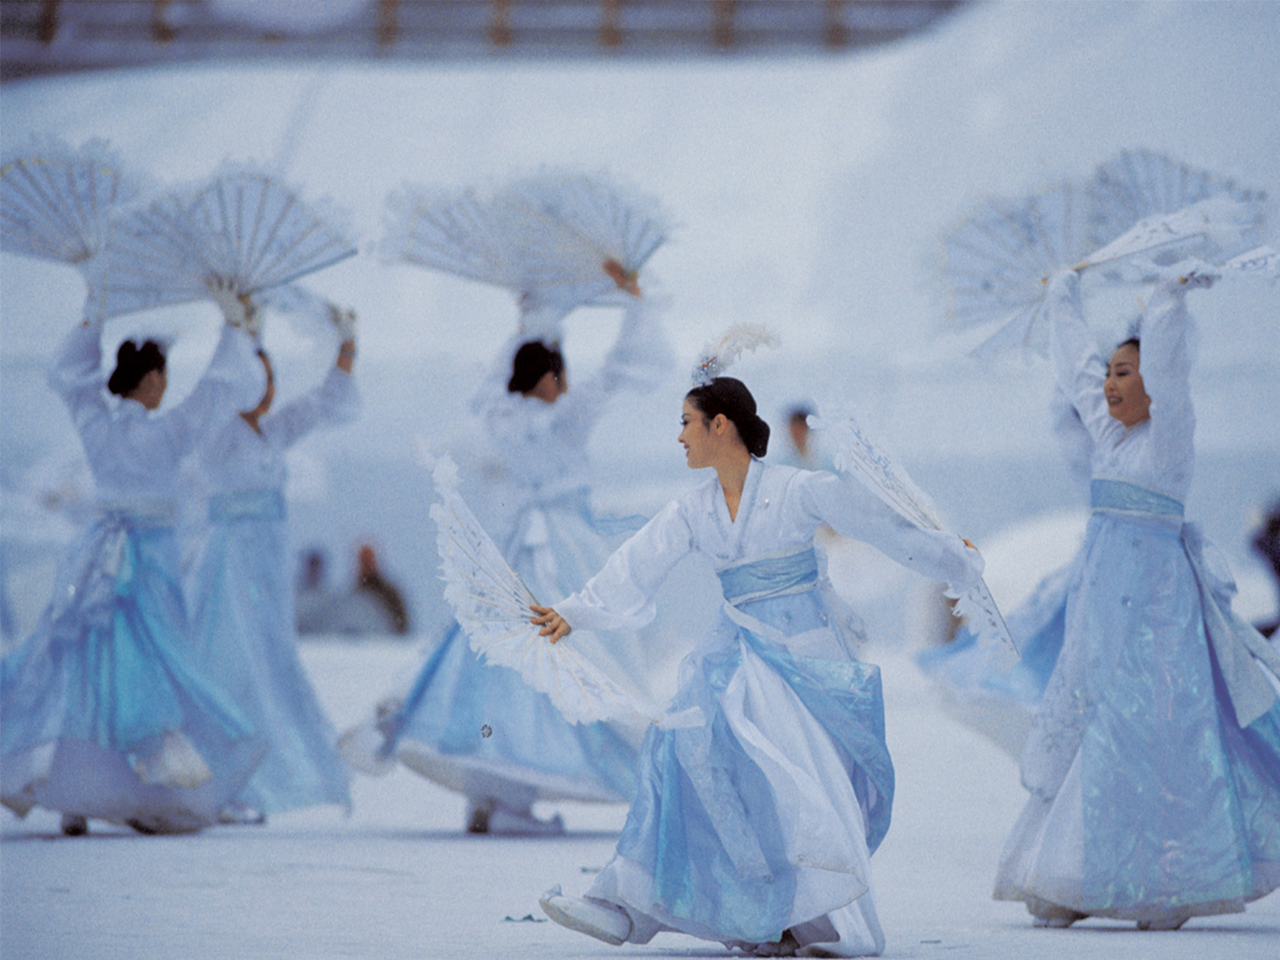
{"x": 1142, "y": 185}
{"x": 856, "y": 455}
{"x": 242, "y": 227}
{"x": 557, "y": 241}
{"x": 55, "y": 201}
{"x": 493, "y": 607}
{"x": 997, "y": 258}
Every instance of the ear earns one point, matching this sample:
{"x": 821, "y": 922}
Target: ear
{"x": 719, "y": 425}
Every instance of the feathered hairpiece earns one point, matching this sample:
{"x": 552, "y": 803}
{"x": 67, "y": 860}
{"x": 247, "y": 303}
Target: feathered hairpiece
{"x": 719, "y": 356}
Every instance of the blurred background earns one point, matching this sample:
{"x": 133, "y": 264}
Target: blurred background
{"x": 814, "y": 154}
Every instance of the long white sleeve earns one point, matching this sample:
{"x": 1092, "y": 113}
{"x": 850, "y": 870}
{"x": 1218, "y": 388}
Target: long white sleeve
{"x": 76, "y": 376}
{"x": 1165, "y": 365}
{"x": 233, "y": 381}
{"x": 1078, "y": 367}
{"x": 853, "y": 511}
{"x": 620, "y": 596}
{"x": 335, "y": 401}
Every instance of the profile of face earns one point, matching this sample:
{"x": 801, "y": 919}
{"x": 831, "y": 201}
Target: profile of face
{"x": 551, "y": 386}
{"x": 150, "y": 389}
{"x": 1125, "y": 393}
{"x": 704, "y": 440}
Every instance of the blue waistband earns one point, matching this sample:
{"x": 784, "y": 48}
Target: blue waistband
{"x": 1130, "y": 498}
{"x": 139, "y": 513}
{"x": 769, "y": 576}
{"x": 246, "y": 505}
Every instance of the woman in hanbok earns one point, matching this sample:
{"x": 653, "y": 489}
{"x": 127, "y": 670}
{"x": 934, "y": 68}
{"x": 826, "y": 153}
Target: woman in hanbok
{"x": 1154, "y": 761}
{"x": 105, "y": 713}
{"x": 479, "y": 729}
{"x": 242, "y": 607}
{"x": 755, "y": 827}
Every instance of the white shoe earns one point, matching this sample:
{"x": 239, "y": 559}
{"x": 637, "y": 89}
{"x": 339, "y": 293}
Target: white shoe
{"x": 1052, "y": 915}
{"x": 1173, "y": 922}
{"x": 595, "y": 918}
{"x": 521, "y": 823}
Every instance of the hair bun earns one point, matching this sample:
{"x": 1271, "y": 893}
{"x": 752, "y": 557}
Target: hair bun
{"x": 132, "y": 364}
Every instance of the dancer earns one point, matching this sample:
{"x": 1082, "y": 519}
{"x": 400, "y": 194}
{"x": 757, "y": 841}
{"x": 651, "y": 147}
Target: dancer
{"x": 242, "y": 609}
{"x": 539, "y": 430}
{"x": 756, "y": 827}
{"x": 104, "y": 713}
{"x": 1154, "y": 762}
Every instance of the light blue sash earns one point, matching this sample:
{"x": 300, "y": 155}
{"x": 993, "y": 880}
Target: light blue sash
{"x": 772, "y": 576}
{"x": 232, "y": 505}
{"x": 1130, "y": 498}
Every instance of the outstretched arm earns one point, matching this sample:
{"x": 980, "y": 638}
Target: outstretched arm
{"x": 1077, "y": 366}
{"x": 620, "y": 596}
{"x": 335, "y": 401}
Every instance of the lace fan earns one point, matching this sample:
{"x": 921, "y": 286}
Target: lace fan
{"x": 1220, "y": 222}
{"x": 54, "y": 201}
{"x": 493, "y": 606}
{"x": 557, "y": 242}
{"x": 857, "y": 456}
{"x": 1141, "y": 184}
{"x": 996, "y": 261}
{"x": 244, "y": 227}
{"x": 619, "y": 227}
{"x": 1264, "y": 259}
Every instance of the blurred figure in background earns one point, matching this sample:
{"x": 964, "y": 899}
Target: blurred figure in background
{"x": 1267, "y": 543}
{"x": 382, "y": 594}
{"x": 313, "y": 601}
{"x": 243, "y": 629}
{"x": 103, "y": 710}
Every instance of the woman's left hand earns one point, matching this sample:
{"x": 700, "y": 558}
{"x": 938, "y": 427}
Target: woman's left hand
{"x": 553, "y": 625}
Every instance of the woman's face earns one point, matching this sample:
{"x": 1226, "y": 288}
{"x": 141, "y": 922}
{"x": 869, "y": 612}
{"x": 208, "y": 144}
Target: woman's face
{"x": 1126, "y": 395}
{"x": 150, "y": 389}
{"x": 551, "y": 386}
{"x": 695, "y": 437}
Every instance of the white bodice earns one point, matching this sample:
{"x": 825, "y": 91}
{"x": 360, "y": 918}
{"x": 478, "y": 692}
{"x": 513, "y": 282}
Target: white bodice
{"x": 237, "y": 457}
{"x": 780, "y": 510}
{"x": 1158, "y": 453}
{"x": 134, "y": 454}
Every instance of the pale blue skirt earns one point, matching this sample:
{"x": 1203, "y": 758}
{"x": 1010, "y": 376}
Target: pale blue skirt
{"x": 763, "y": 819}
{"x": 243, "y": 637}
{"x": 103, "y": 712}
{"x": 1148, "y": 797}
{"x": 481, "y": 730}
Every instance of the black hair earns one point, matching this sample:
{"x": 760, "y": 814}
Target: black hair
{"x": 532, "y": 362}
{"x": 732, "y": 398}
{"x": 1131, "y": 342}
{"x": 134, "y": 362}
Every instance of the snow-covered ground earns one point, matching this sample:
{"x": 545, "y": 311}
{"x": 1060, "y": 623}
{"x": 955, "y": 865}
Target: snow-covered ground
{"x": 812, "y": 194}
{"x": 399, "y": 878}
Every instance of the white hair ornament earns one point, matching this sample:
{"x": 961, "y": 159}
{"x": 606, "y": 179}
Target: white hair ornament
{"x": 719, "y": 356}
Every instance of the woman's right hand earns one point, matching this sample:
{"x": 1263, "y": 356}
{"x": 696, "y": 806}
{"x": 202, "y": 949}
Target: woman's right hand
{"x": 237, "y": 309}
{"x": 554, "y": 627}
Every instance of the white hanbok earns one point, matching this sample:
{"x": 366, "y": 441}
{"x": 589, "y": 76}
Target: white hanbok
{"x": 763, "y": 819}
{"x": 241, "y": 599}
{"x": 1154, "y": 761}
{"x": 533, "y": 496}
{"x": 104, "y": 712}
